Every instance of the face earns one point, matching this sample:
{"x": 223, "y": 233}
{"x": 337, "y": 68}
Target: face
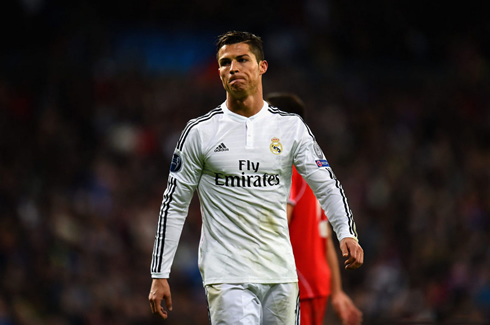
{"x": 239, "y": 70}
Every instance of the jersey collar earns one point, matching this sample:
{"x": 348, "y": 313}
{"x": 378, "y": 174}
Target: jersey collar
{"x": 241, "y": 118}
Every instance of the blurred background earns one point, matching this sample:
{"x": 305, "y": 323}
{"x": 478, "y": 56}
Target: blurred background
{"x": 94, "y": 94}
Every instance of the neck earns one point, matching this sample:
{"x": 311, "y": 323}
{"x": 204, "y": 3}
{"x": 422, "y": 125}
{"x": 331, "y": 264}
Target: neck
{"x": 247, "y": 106}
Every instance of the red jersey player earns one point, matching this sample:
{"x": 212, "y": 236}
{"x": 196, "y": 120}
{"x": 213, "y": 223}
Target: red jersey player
{"x": 314, "y": 252}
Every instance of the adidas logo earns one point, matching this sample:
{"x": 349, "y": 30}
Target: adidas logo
{"x": 221, "y": 147}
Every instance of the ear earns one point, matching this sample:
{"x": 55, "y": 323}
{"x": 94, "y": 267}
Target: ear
{"x": 263, "y": 65}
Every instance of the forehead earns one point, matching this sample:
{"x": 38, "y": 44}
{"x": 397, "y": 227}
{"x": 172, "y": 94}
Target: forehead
{"x": 234, "y": 50}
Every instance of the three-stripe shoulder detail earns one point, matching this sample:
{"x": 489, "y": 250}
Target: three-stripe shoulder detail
{"x": 192, "y": 123}
{"x": 275, "y": 110}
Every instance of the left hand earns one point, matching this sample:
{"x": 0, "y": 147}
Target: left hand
{"x": 351, "y": 250}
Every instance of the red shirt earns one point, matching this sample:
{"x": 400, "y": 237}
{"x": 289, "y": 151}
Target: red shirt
{"x": 308, "y": 231}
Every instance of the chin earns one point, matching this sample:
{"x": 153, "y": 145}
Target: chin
{"x": 237, "y": 89}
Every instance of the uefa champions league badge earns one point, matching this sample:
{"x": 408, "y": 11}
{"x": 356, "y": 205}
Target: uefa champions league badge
{"x": 276, "y": 146}
{"x": 322, "y": 163}
{"x": 176, "y": 163}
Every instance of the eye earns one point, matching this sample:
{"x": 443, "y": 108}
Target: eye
{"x": 224, "y": 63}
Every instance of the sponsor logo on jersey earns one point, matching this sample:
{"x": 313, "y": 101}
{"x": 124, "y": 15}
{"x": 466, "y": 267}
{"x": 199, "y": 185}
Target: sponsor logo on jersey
{"x": 246, "y": 180}
{"x": 322, "y": 163}
{"x": 276, "y": 146}
{"x": 176, "y": 164}
{"x": 249, "y": 177}
{"x": 221, "y": 148}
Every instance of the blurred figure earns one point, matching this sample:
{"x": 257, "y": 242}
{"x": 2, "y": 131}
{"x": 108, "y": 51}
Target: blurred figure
{"x": 314, "y": 252}
{"x": 239, "y": 157}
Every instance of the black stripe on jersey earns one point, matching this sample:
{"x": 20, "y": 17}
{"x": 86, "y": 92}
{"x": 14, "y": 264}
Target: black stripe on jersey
{"x": 348, "y": 211}
{"x": 207, "y": 304}
{"x": 157, "y": 244}
{"x": 195, "y": 122}
{"x": 156, "y": 264}
{"x": 297, "y": 312}
{"x": 275, "y": 110}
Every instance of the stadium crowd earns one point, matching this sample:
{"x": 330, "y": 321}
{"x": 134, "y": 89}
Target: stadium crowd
{"x": 86, "y": 142}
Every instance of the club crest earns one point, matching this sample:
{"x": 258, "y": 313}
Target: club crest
{"x": 276, "y": 146}
{"x": 318, "y": 150}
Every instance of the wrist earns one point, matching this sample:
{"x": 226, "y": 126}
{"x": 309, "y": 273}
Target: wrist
{"x": 335, "y": 293}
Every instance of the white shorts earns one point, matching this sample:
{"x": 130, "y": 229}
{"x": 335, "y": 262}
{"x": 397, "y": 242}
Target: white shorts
{"x": 253, "y": 304}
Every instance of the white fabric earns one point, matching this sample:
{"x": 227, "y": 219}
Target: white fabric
{"x": 241, "y": 168}
{"x": 253, "y": 304}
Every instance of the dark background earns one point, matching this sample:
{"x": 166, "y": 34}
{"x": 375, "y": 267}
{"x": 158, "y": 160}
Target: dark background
{"x": 94, "y": 94}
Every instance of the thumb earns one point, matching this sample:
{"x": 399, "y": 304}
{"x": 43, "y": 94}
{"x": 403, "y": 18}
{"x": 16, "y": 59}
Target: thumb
{"x": 344, "y": 249}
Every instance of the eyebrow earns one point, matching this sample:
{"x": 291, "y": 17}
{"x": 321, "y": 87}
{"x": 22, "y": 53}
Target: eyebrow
{"x": 238, "y": 57}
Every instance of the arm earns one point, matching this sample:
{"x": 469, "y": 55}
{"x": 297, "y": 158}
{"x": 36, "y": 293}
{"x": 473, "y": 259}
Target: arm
{"x": 290, "y": 209}
{"x": 185, "y": 173}
{"x": 342, "y": 304}
{"x": 310, "y": 162}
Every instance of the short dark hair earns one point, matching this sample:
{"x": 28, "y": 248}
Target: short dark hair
{"x": 287, "y": 102}
{"x": 234, "y": 37}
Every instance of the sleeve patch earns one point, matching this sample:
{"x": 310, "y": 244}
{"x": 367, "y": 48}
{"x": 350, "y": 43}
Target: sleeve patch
{"x": 176, "y": 164}
{"x": 322, "y": 163}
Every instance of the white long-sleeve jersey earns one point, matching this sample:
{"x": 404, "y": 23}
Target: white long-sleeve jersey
{"x": 242, "y": 170}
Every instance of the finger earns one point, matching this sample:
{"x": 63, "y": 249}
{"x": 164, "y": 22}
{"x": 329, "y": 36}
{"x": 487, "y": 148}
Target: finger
{"x": 156, "y": 308}
{"x": 168, "y": 302}
{"x": 353, "y": 319}
{"x": 356, "y": 319}
{"x": 349, "y": 320}
{"x": 352, "y": 264}
{"x": 162, "y": 312}
{"x": 359, "y": 258}
{"x": 155, "y": 305}
{"x": 152, "y": 303}
{"x": 344, "y": 250}
{"x": 349, "y": 261}
{"x": 356, "y": 259}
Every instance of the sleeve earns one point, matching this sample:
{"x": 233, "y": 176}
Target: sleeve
{"x": 185, "y": 173}
{"x": 298, "y": 186}
{"x": 311, "y": 163}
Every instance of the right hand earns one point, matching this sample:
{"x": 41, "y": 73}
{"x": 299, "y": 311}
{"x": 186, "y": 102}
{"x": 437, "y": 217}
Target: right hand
{"x": 353, "y": 252}
{"x": 160, "y": 290}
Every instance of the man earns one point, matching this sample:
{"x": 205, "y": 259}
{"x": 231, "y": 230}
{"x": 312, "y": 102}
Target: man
{"x": 239, "y": 157}
{"x": 316, "y": 259}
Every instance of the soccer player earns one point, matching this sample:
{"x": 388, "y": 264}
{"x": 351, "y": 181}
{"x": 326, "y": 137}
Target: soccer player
{"x": 316, "y": 259}
{"x": 240, "y": 158}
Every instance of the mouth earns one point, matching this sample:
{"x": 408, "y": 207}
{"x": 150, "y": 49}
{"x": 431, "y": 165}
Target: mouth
{"x": 235, "y": 77}
{"x": 233, "y": 80}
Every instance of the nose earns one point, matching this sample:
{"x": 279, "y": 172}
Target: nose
{"x": 234, "y": 67}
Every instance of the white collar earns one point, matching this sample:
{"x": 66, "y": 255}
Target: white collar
{"x": 241, "y": 118}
